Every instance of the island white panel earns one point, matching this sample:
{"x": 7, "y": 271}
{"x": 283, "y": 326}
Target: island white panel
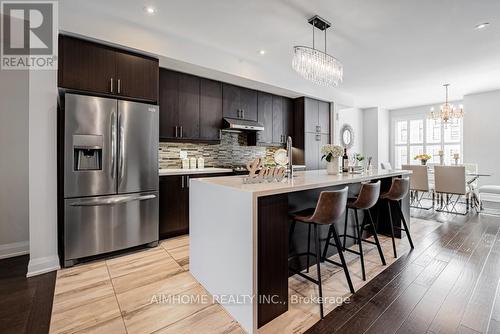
{"x": 221, "y": 245}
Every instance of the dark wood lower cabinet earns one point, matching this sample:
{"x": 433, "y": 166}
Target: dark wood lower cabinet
{"x": 174, "y": 203}
{"x": 273, "y": 270}
{"x": 174, "y": 206}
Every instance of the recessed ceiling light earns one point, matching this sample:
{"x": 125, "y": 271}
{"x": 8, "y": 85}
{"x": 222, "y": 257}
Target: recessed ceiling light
{"x": 150, "y": 10}
{"x": 262, "y": 52}
{"x": 481, "y": 26}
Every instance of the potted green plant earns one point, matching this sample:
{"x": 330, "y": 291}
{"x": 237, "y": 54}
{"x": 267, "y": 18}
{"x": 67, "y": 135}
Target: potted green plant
{"x": 358, "y": 158}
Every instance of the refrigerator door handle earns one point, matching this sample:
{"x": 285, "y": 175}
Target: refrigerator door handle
{"x": 113, "y": 201}
{"x": 121, "y": 148}
{"x": 113, "y": 144}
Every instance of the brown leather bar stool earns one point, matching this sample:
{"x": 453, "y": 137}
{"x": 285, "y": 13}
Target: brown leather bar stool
{"x": 399, "y": 189}
{"x": 367, "y": 198}
{"x": 331, "y": 205}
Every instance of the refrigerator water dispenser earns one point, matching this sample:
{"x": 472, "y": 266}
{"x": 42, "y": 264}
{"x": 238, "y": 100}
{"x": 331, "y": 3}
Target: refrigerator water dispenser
{"x": 87, "y": 152}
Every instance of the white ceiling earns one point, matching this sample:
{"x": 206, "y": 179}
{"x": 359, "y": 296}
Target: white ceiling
{"x": 396, "y": 53}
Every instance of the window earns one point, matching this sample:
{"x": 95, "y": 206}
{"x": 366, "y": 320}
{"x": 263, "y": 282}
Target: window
{"x": 416, "y": 134}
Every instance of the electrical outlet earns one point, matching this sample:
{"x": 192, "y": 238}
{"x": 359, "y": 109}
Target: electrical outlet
{"x": 183, "y": 154}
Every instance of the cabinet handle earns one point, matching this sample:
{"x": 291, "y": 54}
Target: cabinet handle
{"x": 243, "y": 113}
{"x": 176, "y": 132}
{"x": 318, "y": 137}
{"x": 220, "y": 134}
{"x": 181, "y": 132}
{"x": 119, "y": 86}
{"x": 238, "y": 113}
{"x": 182, "y": 181}
{"x": 187, "y": 181}
{"x": 318, "y": 128}
{"x": 111, "y": 85}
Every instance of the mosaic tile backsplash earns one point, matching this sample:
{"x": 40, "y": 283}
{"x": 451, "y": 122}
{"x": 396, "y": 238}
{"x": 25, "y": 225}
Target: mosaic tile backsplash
{"x": 232, "y": 151}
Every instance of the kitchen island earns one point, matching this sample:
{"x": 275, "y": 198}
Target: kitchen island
{"x": 239, "y": 236}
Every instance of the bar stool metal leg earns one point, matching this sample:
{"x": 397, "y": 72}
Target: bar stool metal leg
{"x": 308, "y": 245}
{"x": 376, "y": 238}
{"x": 318, "y": 268}
{"x": 392, "y": 229}
{"x": 332, "y": 233}
{"x": 345, "y": 228}
{"x": 400, "y": 212}
{"x": 360, "y": 244}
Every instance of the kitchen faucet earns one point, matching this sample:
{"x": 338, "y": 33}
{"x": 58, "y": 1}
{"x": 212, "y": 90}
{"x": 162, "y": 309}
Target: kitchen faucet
{"x": 289, "y": 173}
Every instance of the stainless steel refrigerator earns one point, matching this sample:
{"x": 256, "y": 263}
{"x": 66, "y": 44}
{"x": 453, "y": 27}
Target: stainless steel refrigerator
{"x": 110, "y": 175}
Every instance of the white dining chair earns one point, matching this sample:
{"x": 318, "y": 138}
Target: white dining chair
{"x": 471, "y": 171}
{"x": 450, "y": 181}
{"x": 419, "y": 184}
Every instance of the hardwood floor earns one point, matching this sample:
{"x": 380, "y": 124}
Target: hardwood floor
{"x": 124, "y": 294}
{"x": 25, "y": 303}
{"x": 447, "y": 284}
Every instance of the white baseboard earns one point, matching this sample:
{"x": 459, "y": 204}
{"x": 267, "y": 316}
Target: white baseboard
{"x": 14, "y": 249}
{"x": 43, "y": 265}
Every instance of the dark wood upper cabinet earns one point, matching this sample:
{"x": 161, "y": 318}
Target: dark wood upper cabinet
{"x": 169, "y": 104}
{"x": 265, "y": 116}
{"x": 137, "y": 76}
{"x": 311, "y": 115}
{"x": 278, "y": 136}
{"x": 86, "y": 66}
{"x": 101, "y": 69}
{"x": 248, "y": 103}
{"x": 276, "y": 114}
{"x": 189, "y": 106}
{"x": 324, "y": 117}
{"x": 210, "y": 109}
{"x": 287, "y": 117}
{"x": 311, "y": 131}
{"x": 239, "y": 102}
{"x": 231, "y": 101}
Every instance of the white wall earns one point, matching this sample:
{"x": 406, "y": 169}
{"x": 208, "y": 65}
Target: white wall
{"x": 482, "y": 134}
{"x": 43, "y": 172}
{"x": 191, "y": 56}
{"x": 14, "y": 200}
{"x": 383, "y": 135}
{"x": 14, "y": 190}
{"x": 353, "y": 117}
{"x": 370, "y": 139}
{"x": 376, "y": 134}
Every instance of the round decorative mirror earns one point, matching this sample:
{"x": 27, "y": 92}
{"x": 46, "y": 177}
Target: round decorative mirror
{"x": 347, "y": 136}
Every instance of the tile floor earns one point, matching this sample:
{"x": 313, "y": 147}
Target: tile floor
{"x": 129, "y": 294}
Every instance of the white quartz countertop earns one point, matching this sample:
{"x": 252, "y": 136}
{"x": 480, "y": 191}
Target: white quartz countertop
{"x": 181, "y": 171}
{"x": 302, "y": 181}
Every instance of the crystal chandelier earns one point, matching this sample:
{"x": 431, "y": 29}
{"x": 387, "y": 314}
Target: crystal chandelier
{"x": 315, "y": 65}
{"x": 447, "y": 111}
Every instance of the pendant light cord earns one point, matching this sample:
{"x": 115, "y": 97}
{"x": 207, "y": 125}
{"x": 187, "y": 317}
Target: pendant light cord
{"x": 314, "y": 25}
{"x": 325, "y": 40}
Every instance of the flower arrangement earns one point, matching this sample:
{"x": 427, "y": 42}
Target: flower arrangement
{"x": 423, "y": 158}
{"x": 331, "y": 151}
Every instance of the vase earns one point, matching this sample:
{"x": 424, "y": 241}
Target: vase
{"x": 333, "y": 167}
{"x": 423, "y": 162}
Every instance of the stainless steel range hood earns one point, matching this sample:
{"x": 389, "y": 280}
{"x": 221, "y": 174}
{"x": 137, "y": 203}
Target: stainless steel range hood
{"x": 242, "y": 124}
